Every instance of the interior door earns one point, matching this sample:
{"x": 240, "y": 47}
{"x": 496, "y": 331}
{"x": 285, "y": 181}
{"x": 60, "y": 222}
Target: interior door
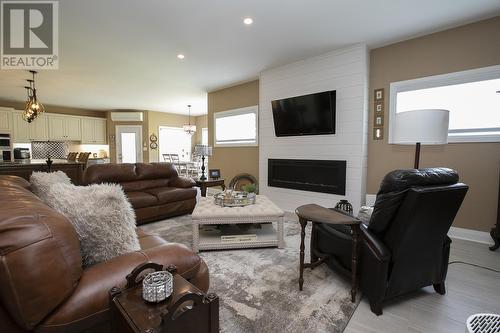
{"x": 128, "y": 144}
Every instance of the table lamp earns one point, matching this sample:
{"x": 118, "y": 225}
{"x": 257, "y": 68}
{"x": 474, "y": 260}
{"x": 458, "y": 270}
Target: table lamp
{"x": 203, "y": 150}
{"x": 421, "y": 127}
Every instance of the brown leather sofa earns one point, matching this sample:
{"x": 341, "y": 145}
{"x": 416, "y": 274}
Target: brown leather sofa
{"x": 155, "y": 190}
{"x": 43, "y": 287}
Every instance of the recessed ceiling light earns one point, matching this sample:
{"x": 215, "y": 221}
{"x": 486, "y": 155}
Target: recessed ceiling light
{"x": 180, "y": 56}
{"x": 248, "y": 21}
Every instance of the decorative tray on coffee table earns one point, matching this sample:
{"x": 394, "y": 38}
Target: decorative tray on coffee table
{"x": 234, "y": 199}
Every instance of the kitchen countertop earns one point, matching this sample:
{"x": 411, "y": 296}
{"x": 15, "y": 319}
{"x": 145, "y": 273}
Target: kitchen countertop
{"x": 34, "y": 162}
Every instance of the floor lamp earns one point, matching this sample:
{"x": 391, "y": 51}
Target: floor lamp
{"x": 421, "y": 127}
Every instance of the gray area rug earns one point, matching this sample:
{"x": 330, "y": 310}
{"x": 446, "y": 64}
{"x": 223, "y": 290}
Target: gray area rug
{"x": 259, "y": 290}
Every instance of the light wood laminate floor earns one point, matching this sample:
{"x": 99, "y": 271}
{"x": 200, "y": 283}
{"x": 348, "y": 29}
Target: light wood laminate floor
{"x": 470, "y": 290}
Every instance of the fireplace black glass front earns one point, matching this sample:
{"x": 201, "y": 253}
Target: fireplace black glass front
{"x": 323, "y": 176}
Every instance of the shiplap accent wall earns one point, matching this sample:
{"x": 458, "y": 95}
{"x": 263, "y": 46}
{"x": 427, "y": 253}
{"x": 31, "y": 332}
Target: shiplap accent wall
{"x": 344, "y": 70}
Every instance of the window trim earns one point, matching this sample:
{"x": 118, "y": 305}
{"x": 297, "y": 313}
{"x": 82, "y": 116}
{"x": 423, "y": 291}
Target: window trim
{"x": 454, "y": 136}
{"x": 236, "y": 112}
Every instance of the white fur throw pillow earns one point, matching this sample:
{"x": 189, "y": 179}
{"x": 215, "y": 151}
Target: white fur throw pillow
{"x": 102, "y": 216}
{"x": 42, "y": 181}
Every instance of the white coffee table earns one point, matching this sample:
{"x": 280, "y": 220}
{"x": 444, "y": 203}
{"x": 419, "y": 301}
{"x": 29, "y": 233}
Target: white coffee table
{"x": 207, "y": 212}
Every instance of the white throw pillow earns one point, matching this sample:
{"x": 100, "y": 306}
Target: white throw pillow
{"x": 42, "y": 181}
{"x": 102, "y": 216}
{"x": 365, "y": 214}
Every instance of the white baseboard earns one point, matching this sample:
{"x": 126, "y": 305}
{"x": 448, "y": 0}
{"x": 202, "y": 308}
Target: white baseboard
{"x": 470, "y": 235}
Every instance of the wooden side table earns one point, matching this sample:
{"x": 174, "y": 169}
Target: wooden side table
{"x": 315, "y": 213}
{"x": 187, "y": 310}
{"x": 204, "y": 184}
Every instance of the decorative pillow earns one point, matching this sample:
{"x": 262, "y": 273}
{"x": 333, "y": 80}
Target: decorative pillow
{"x": 365, "y": 214}
{"x": 102, "y": 216}
{"x": 42, "y": 181}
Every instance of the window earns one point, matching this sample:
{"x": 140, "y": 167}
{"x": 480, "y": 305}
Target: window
{"x": 173, "y": 140}
{"x": 236, "y": 127}
{"x": 472, "y": 97}
{"x": 204, "y": 136}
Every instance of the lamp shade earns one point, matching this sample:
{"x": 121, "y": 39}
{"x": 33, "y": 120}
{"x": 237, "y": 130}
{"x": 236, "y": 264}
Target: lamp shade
{"x": 428, "y": 126}
{"x": 203, "y": 150}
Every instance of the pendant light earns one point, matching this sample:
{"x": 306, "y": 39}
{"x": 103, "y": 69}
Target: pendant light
{"x": 189, "y": 129}
{"x": 33, "y": 106}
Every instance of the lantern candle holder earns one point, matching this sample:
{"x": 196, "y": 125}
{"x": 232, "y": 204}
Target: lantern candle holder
{"x": 157, "y": 286}
{"x": 344, "y": 206}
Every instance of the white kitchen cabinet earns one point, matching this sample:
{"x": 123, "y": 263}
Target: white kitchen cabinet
{"x": 39, "y": 128}
{"x": 100, "y": 131}
{"x": 24, "y": 132}
{"x": 6, "y": 120}
{"x": 56, "y": 127}
{"x": 64, "y": 128}
{"x": 93, "y": 131}
{"x": 73, "y": 128}
{"x": 21, "y": 131}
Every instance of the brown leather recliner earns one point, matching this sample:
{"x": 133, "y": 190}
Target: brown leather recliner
{"x": 155, "y": 190}
{"x": 43, "y": 286}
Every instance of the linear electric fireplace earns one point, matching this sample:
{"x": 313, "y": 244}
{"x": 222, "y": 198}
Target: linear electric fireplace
{"x": 309, "y": 175}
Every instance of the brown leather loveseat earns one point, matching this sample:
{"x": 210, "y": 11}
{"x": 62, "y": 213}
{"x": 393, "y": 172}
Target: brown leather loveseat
{"x": 155, "y": 190}
{"x": 43, "y": 287}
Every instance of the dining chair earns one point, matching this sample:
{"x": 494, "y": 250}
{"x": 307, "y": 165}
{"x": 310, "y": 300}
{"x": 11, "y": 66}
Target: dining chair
{"x": 72, "y": 156}
{"x": 83, "y": 157}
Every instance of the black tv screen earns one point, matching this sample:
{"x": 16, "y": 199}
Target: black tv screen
{"x": 312, "y": 114}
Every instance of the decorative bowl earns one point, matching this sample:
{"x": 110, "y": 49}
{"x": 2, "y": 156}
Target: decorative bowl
{"x": 231, "y": 198}
{"x": 157, "y": 286}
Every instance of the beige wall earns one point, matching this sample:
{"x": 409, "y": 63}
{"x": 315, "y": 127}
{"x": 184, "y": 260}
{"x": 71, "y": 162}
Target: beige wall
{"x": 157, "y": 119}
{"x": 201, "y": 122}
{"x": 152, "y": 121}
{"x": 58, "y": 109}
{"x": 471, "y": 46}
{"x": 233, "y": 160}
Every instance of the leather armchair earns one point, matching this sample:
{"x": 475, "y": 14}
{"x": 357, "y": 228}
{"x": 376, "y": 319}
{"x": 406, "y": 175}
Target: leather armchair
{"x": 405, "y": 245}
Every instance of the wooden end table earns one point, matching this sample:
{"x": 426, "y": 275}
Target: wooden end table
{"x": 187, "y": 310}
{"x": 318, "y": 214}
{"x": 204, "y": 184}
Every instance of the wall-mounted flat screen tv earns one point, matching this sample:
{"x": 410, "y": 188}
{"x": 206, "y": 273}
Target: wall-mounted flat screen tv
{"x": 312, "y": 114}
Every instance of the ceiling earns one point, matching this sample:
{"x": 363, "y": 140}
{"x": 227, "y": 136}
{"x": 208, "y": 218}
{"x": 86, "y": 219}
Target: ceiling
{"x": 121, "y": 54}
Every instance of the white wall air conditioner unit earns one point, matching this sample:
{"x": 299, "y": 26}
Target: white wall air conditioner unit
{"x": 126, "y": 116}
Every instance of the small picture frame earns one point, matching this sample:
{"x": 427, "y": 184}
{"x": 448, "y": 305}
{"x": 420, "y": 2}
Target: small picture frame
{"x": 378, "y": 121}
{"x": 214, "y": 173}
{"x": 378, "y": 133}
{"x": 379, "y": 107}
{"x": 379, "y": 94}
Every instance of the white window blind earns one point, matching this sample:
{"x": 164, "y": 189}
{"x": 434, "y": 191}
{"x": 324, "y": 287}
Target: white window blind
{"x": 236, "y": 127}
{"x": 472, "y": 97}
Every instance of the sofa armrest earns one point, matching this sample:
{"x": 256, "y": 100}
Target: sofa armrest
{"x": 378, "y": 249}
{"x": 89, "y": 303}
{"x": 182, "y": 182}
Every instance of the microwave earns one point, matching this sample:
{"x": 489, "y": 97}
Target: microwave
{"x": 4, "y": 141}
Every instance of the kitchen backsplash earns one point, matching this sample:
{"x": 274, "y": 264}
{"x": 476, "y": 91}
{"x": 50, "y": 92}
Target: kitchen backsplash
{"x": 56, "y": 149}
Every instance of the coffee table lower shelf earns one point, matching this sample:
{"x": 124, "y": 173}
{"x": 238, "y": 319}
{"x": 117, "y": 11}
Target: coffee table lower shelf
{"x": 267, "y": 236}
{"x": 270, "y": 235}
